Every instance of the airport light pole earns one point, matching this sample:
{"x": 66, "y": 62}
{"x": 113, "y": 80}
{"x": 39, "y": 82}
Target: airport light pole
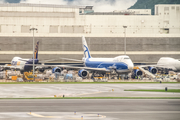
{"x": 125, "y": 39}
{"x": 33, "y": 29}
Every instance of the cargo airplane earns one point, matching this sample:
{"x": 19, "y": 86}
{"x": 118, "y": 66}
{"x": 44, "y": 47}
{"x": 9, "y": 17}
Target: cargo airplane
{"x": 18, "y": 63}
{"x": 169, "y": 63}
{"x": 120, "y": 64}
{"x": 165, "y": 64}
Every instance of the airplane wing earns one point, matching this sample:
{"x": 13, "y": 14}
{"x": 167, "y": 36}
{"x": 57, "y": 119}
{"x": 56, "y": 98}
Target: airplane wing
{"x": 166, "y": 67}
{"x": 73, "y": 67}
{"x": 159, "y": 66}
{"x": 6, "y": 67}
{"x": 71, "y": 59}
{"x": 43, "y": 61}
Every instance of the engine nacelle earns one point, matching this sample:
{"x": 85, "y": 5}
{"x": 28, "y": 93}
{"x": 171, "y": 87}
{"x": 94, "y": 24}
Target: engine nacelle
{"x": 153, "y": 70}
{"x": 137, "y": 72}
{"x": 83, "y": 73}
{"x": 56, "y": 69}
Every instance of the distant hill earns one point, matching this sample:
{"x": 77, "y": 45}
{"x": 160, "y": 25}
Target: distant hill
{"x": 149, "y": 4}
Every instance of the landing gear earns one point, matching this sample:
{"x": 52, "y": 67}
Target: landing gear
{"x": 126, "y": 77}
{"x": 166, "y": 71}
{"x": 119, "y": 77}
{"x": 92, "y": 76}
{"x": 113, "y": 71}
{"x": 98, "y": 76}
{"x": 22, "y": 72}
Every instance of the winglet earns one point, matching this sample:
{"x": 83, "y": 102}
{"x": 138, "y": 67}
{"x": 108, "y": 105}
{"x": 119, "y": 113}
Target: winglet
{"x": 85, "y": 48}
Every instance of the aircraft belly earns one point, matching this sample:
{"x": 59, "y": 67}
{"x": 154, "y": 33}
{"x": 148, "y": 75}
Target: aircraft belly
{"x": 123, "y": 71}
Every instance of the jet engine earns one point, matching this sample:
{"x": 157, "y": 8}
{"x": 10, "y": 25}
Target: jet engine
{"x": 83, "y": 73}
{"x": 153, "y": 70}
{"x": 56, "y": 69}
{"x": 137, "y": 72}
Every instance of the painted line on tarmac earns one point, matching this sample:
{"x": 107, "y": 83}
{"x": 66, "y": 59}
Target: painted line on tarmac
{"x": 25, "y": 106}
{"x": 88, "y": 116}
{"x": 122, "y": 112}
{"x": 38, "y": 115}
{"x": 90, "y": 93}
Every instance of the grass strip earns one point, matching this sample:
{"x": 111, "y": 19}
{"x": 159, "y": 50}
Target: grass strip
{"x": 85, "y": 82}
{"x": 98, "y": 98}
{"x": 163, "y": 90}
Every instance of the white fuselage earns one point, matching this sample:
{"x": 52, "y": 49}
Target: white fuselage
{"x": 16, "y": 61}
{"x": 120, "y": 63}
{"x": 169, "y": 62}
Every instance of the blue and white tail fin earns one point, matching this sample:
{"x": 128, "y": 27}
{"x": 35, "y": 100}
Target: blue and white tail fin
{"x": 85, "y": 48}
{"x": 36, "y": 51}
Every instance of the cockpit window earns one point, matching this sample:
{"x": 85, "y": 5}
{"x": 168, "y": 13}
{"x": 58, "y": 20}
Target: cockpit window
{"x": 126, "y": 58}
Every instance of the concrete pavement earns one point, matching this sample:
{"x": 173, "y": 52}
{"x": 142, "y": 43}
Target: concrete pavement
{"x": 84, "y": 90}
{"x": 161, "y": 109}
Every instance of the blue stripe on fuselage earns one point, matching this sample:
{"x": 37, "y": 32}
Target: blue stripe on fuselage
{"x": 105, "y": 64}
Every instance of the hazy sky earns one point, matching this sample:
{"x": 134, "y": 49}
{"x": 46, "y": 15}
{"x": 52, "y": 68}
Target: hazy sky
{"x": 99, "y": 5}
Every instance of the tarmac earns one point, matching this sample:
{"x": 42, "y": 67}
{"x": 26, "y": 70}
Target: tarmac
{"x": 84, "y": 90}
{"x": 90, "y": 109}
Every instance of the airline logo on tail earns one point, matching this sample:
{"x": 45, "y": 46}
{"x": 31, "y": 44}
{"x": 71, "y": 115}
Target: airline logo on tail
{"x": 85, "y": 48}
{"x": 86, "y": 52}
{"x": 36, "y": 51}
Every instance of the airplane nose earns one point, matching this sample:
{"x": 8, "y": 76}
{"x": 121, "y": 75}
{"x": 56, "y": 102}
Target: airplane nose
{"x": 130, "y": 66}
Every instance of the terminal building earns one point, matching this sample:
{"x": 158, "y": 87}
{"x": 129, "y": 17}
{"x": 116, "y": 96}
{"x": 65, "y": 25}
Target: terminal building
{"x": 60, "y": 28}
